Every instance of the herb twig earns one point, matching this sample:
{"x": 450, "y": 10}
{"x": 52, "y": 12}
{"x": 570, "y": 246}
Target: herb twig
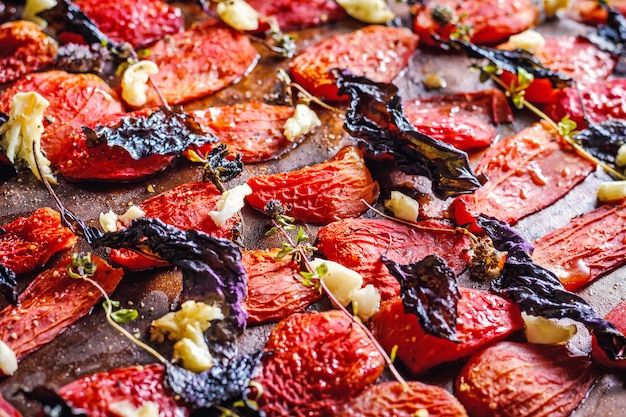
{"x": 307, "y": 97}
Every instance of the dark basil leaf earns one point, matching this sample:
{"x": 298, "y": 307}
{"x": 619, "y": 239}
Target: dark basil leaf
{"x": 611, "y": 37}
{"x": 429, "y": 290}
{"x": 8, "y": 284}
{"x": 163, "y": 132}
{"x": 376, "y": 117}
{"x": 3, "y": 118}
{"x": 538, "y": 292}
{"x": 511, "y": 61}
{"x": 219, "y": 168}
{"x": 215, "y": 385}
{"x": 603, "y": 140}
{"x": 94, "y": 59}
{"x": 52, "y": 403}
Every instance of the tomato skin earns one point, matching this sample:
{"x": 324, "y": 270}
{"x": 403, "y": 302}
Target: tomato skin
{"x": 25, "y": 48}
{"x": 253, "y": 129}
{"x": 493, "y": 21}
{"x": 377, "y": 52}
{"x": 298, "y": 14}
{"x": 320, "y": 193}
{"x": 138, "y": 384}
{"x": 27, "y": 243}
{"x": 617, "y": 316}
{"x": 319, "y": 361}
{"x": 483, "y": 318}
{"x": 198, "y": 62}
{"x": 358, "y": 244}
{"x": 138, "y": 22}
{"x": 391, "y": 398}
{"x": 520, "y": 379}
{"x": 274, "y": 287}
{"x": 592, "y": 13}
{"x": 7, "y": 410}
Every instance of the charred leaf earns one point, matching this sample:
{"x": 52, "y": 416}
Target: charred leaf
{"x": 428, "y": 289}
{"x": 8, "y": 284}
{"x": 94, "y": 59}
{"x": 162, "y": 132}
{"x": 538, "y": 292}
{"x": 603, "y": 140}
{"x": 218, "y": 167}
{"x": 215, "y": 385}
{"x": 376, "y": 118}
{"x": 611, "y": 37}
{"x": 53, "y": 405}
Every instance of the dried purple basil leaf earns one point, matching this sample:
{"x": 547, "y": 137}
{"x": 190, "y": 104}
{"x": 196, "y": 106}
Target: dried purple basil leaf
{"x": 603, "y": 140}
{"x": 53, "y": 405}
{"x": 163, "y": 132}
{"x": 376, "y": 117}
{"x": 215, "y": 385}
{"x": 8, "y": 284}
{"x": 610, "y": 37}
{"x": 428, "y": 289}
{"x": 538, "y": 292}
{"x": 94, "y": 59}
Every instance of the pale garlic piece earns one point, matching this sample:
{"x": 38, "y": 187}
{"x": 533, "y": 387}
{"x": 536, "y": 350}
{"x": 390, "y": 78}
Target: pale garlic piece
{"x": 32, "y": 8}
{"x": 339, "y": 280}
{"x": 135, "y": 82}
{"x": 403, "y": 207}
{"x": 540, "y": 330}
{"x": 368, "y": 11}
{"x": 529, "y": 40}
{"x": 610, "y": 191}
{"x": 229, "y": 204}
{"x": 108, "y": 221}
{"x": 238, "y": 15}
{"x": 8, "y": 360}
{"x": 303, "y": 121}
{"x": 365, "y": 301}
{"x": 125, "y": 408}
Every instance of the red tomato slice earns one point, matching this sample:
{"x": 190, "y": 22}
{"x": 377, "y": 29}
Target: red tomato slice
{"x": 187, "y": 207}
{"x": 492, "y": 21}
{"x": 571, "y": 56}
{"x": 137, "y": 384}
{"x": 527, "y": 172}
{"x": 393, "y": 398}
{"x": 358, "y": 244}
{"x": 198, "y": 62}
{"x": 318, "y": 361}
{"x": 7, "y": 410}
{"x": 320, "y": 193}
{"x": 51, "y": 303}
{"x": 274, "y": 287}
{"x": 591, "y": 12}
{"x": 617, "y": 316}
{"x": 520, "y": 380}
{"x": 75, "y": 100}
{"x": 483, "y": 318}
{"x": 377, "y": 52}
{"x": 253, "y": 129}
{"x": 138, "y": 22}
{"x": 298, "y": 14}
{"x": 25, "y": 48}
{"x": 27, "y": 243}
{"x": 588, "y": 247}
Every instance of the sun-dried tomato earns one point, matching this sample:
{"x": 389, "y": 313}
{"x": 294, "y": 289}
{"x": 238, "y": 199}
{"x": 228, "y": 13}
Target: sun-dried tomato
{"x": 617, "y": 316}
{"x": 298, "y": 14}
{"x": 592, "y": 12}
{"x": 7, "y": 410}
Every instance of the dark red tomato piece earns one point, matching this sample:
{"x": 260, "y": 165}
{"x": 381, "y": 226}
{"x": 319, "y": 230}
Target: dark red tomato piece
{"x": 25, "y": 48}
{"x": 318, "y": 362}
{"x": 298, "y": 14}
{"x": 358, "y": 244}
{"x": 617, "y": 316}
{"x": 603, "y": 100}
{"x": 590, "y": 246}
{"x": 94, "y": 394}
{"x": 7, "y": 410}
{"x": 275, "y": 289}
{"x": 200, "y": 61}
{"x": 592, "y": 12}
{"x": 27, "y": 243}
{"x": 377, "y": 52}
{"x": 319, "y": 193}
{"x": 187, "y": 207}
{"x": 392, "y": 398}
{"x": 492, "y": 21}
{"x": 138, "y": 22}
{"x": 483, "y": 318}
{"x": 51, "y": 303}
{"x": 254, "y": 130}
{"x": 519, "y": 380}
{"x": 75, "y": 100}
{"x": 527, "y": 172}
{"x": 574, "y": 57}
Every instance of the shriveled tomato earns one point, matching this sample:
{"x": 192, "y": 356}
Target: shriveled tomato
{"x": 516, "y": 379}
{"x": 483, "y": 318}
{"x": 298, "y": 14}
{"x": 275, "y": 289}
{"x": 574, "y": 57}
{"x": 391, "y": 398}
{"x": 319, "y": 193}
{"x": 200, "y": 61}
{"x": 51, "y": 303}
{"x": 253, "y": 129}
{"x": 94, "y": 394}
{"x": 27, "y": 243}
{"x": 527, "y": 172}
{"x": 138, "y": 22}
{"x": 318, "y": 361}
{"x": 75, "y": 100}
{"x": 602, "y": 100}
{"x": 491, "y": 21}
{"x": 617, "y": 316}
{"x": 358, "y": 244}
{"x": 592, "y": 12}
{"x": 187, "y": 207}
{"x": 377, "y": 52}
{"x": 7, "y": 410}
{"x": 25, "y": 48}
{"x": 590, "y": 246}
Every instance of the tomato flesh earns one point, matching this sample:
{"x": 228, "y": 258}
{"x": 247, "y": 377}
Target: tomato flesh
{"x": 298, "y": 14}
{"x": 617, "y": 316}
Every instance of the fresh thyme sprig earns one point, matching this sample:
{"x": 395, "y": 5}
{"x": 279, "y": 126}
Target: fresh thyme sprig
{"x": 216, "y": 167}
{"x": 304, "y": 96}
